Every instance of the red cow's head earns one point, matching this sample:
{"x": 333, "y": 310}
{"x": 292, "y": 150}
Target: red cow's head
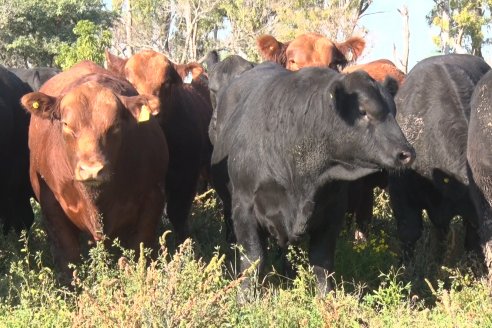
{"x": 92, "y": 120}
{"x": 310, "y": 49}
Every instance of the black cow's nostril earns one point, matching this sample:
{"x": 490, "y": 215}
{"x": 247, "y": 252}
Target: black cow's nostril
{"x": 405, "y": 157}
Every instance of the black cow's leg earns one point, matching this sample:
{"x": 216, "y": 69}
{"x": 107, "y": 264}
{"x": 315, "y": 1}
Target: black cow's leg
{"x": 322, "y": 245}
{"x": 249, "y": 238}
{"x": 22, "y": 213}
{"x": 363, "y": 212}
{"x": 220, "y": 182}
{"x": 180, "y": 191}
{"x": 440, "y": 230}
{"x": 472, "y": 237}
{"x": 408, "y": 218}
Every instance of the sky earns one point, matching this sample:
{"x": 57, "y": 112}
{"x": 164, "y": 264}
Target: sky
{"x": 385, "y": 30}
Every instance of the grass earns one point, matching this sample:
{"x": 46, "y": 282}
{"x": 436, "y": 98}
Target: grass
{"x": 195, "y": 286}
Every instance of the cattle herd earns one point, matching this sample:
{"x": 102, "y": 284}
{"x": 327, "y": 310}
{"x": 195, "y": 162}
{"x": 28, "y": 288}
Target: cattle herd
{"x": 290, "y": 145}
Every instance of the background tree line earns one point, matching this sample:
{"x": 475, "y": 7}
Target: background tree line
{"x": 63, "y": 32}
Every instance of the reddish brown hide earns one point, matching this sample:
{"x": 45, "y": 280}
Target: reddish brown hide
{"x": 310, "y": 49}
{"x": 185, "y": 114}
{"x": 98, "y": 161}
{"x": 379, "y": 70}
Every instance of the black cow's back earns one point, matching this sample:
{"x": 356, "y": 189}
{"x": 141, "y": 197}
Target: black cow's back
{"x": 35, "y": 77}
{"x": 479, "y": 154}
{"x": 433, "y": 110}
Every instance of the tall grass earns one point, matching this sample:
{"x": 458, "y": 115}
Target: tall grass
{"x": 194, "y": 285}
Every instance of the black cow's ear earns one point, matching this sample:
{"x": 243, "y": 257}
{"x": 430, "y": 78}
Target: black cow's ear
{"x": 141, "y": 107}
{"x": 36, "y": 81}
{"x": 343, "y": 101}
{"x": 40, "y": 104}
{"x": 391, "y": 85}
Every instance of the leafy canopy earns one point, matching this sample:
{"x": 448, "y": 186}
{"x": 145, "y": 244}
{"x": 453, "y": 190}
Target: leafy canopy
{"x": 91, "y": 42}
{"x": 32, "y": 32}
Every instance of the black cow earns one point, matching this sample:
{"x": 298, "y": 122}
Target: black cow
{"x": 35, "y": 77}
{"x": 286, "y": 147}
{"x": 433, "y": 108}
{"x": 211, "y": 59}
{"x": 15, "y": 187}
{"x": 221, "y": 74}
{"x": 479, "y": 154}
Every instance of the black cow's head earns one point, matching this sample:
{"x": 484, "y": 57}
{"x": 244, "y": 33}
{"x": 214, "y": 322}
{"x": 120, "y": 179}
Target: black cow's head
{"x": 368, "y": 111}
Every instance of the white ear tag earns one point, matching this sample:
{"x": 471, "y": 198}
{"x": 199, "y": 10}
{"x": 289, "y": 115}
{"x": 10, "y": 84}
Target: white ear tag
{"x": 144, "y": 115}
{"x": 188, "y": 78}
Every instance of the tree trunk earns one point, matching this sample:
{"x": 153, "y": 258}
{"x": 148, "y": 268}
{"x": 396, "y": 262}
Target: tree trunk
{"x": 477, "y": 38}
{"x": 406, "y": 38}
{"x": 445, "y": 28}
{"x": 128, "y": 28}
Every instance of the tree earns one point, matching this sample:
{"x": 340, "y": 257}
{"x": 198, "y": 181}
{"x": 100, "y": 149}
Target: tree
{"x": 180, "y": 28}
{"x": 142, "y": 24}
{"x": 90, "y": 45}
{"x": 460, "y": 23}
{"x": 286, "y": 19}
{"x": 335, "y": 19}
{"x": 33, "y": 31}
{"x": 247, "y": 20}
{"x": 403, "y": 62}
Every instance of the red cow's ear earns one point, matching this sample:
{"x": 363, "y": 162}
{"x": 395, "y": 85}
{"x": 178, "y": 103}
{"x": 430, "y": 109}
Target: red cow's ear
{"x": 115, "y": 64}
{"x": 40, "y": 104}
{"x": 268, "y": 47}
{"x": 189, "y": 71}
{"x": 141, "y": 107}
{"x": 352, "y": 48}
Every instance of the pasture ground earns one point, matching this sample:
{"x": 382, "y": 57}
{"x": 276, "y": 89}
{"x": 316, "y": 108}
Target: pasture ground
{"x": 194, "y": 285}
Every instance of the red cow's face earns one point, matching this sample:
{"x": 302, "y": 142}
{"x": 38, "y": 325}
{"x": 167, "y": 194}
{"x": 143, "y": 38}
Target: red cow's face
{"x": 310, "y": 49}
{"x": 92, "y": 121}
{"x": 148, "y": 71}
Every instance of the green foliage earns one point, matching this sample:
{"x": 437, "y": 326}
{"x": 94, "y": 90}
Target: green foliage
{"x": 460, "y": 23}
{"x": 32, "y": 31}
{"x": 91, "y": 42}
{"x": 390, "y": 294}
{"x": 294, "y": 17}
{"x": 180, "y": 288}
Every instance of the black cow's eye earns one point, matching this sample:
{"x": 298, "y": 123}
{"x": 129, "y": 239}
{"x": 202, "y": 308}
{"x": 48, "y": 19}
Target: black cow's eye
{"x": 363, "y": 112}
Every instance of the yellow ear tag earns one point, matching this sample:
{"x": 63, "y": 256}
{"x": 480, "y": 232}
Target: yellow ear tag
{"x": 446, "y": 180}
{"x": 35, "y": 105}
{"x": 144, "y": 115}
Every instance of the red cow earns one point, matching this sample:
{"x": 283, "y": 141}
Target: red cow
{"x": 310, "y": 49}
{"x": 192, "y": 73}
{"x": 98, "y": 161}
{"x": 379, "y": 70}
{"x": 184, "y": 116}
